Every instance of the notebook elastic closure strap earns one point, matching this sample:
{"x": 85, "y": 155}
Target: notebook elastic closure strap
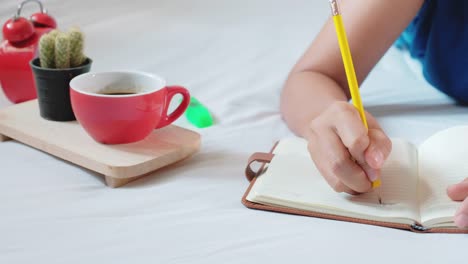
{"x": 257, "y": 157}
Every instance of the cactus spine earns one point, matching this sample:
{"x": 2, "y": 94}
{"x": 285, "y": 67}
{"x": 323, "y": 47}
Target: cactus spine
{"x": 62, "y": 50}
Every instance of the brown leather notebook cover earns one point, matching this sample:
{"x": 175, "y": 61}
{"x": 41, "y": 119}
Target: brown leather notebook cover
{"x": 265, "y": 158}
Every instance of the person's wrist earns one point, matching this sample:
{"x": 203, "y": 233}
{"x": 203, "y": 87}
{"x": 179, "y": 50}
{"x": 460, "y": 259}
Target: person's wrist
{"x": 306, "y": 131}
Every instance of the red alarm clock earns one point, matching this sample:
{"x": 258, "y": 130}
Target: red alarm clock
{"x": 19, "y": 46}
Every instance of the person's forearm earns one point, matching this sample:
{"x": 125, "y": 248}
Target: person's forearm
{"x": 305, "y": 95}
{"x": 318, "y": 78}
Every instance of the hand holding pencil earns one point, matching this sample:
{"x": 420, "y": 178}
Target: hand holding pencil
{"x": 349, "y": 69}
{"x": 346, "y": 144}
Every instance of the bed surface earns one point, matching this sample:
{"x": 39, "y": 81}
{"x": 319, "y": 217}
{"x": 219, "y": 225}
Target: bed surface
{"x": 233, "y": 56}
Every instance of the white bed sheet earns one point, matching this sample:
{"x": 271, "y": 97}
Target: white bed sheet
{"x": 234, "y": 57}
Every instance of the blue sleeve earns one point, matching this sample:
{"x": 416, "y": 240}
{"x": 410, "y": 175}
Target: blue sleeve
{"x": 438, "y": 37}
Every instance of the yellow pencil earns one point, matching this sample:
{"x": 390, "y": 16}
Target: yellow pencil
{"x": 349, "y": 67}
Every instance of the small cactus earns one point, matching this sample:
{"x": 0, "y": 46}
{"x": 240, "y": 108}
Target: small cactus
{"x": 76, "y": 47}
{"x": 62, "y": 50}
{"x": 47, "y": 51}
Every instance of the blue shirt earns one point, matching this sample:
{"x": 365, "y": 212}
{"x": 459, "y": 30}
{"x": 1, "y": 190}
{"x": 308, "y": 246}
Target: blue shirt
{"x": 438, "y": 37}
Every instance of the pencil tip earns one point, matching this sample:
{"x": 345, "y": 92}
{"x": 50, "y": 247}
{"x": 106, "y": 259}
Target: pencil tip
{"x": 376, "y": 183}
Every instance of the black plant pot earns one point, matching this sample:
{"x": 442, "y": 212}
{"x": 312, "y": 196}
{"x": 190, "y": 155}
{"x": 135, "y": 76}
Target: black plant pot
{"x": 53, "y": 90}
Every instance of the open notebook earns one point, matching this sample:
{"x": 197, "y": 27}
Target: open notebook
{"x": 413, "y": 191}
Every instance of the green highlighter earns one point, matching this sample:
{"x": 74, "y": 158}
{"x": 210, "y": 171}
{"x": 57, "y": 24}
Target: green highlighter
{"x": 198, "y": 115}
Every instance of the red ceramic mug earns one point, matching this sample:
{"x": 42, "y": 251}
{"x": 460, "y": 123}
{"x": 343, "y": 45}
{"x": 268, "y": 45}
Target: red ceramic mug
{"x": 124, "y": 107}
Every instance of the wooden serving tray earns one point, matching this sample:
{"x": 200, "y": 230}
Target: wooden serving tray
{"x": 120, "y": 164}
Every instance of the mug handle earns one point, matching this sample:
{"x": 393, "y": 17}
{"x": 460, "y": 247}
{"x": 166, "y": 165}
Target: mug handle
{"x": 170, "y": 92}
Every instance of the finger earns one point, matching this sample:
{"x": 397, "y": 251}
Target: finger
{"x": 379, "y": 148}
{"x": 372, "y": 122}
{"x": 372, "y": 174}
{"x": 341, "y": 165}
{"x": 321, "y": 162}
{"x": 352, "y": 133}
{"x": 461, "y": 216}
{"x": 458, "y": 192}
{"x": 354, "y": 136}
